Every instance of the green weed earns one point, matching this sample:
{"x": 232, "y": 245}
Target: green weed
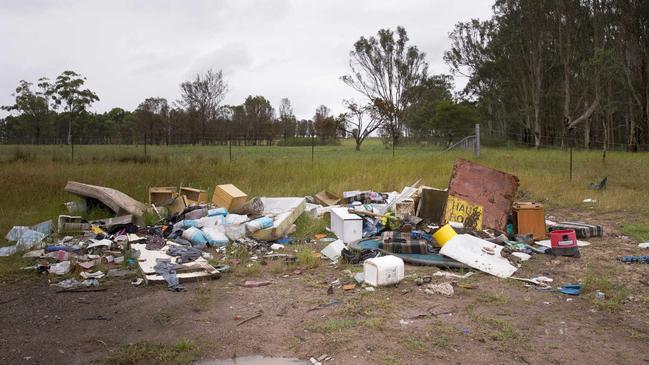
{"x": 331, "y": 325}
{"x": 637, "y": 231}
{"x": 202, "y": 297}
{"x": 181, "y": 352}
{"x": 494, "y": 298}
{"x": 307, "y": 259}
{"x": 614, "y": 294}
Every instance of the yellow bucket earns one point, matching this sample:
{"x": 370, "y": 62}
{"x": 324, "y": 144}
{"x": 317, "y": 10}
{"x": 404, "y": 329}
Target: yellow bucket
{"x": 444, "y": 234}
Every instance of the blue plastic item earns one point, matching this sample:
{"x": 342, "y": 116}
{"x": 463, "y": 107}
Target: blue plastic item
{"x": 217, "y": 211}
{"x": 285, "y": 240}
{"x": 636, "y": 259}
{"x": 571, "y": 289}
{"x": 421, "y": 235}
{"x": 195, "y": 236}
{"x": 190, "y": 223}
{"x": 56, "y": 248}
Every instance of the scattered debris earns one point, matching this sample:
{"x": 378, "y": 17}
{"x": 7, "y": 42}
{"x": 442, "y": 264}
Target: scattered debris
{"x": 333, "y": 250}
{"x": 249, "y": 319}
{"x": 450, "y": 275}
{"x": 582, "y": 230}
{"x": 255, "y": 284}
{"x": 444, "y": 289}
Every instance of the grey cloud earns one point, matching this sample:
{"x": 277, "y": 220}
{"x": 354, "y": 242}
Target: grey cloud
{"x": 130, "y": 50}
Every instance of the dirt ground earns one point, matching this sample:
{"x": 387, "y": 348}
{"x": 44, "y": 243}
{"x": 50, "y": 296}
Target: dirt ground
{"x": 487, "y": 321}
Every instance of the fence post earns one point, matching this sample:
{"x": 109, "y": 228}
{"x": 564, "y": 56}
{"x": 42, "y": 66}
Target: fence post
{"x": 571, "y": 162}
{"x": 145, "y": 145}
{"x": 72, "y": 149}
{"x": 477, "y": 140}
{"x": 230, "y": 144}
{"x": 312, "y": 146}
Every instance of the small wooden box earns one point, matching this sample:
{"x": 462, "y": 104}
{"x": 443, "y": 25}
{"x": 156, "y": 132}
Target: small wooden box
{"x": 194, "y": 195}
{"x": 229, "y": 197}
{"x": 162, "y": 195}
{"x": 530, "y": 218}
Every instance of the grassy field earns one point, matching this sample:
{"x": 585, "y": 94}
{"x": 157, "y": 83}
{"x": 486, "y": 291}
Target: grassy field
{"x": 490, "y": 319}
{"x": 32, "y": 177}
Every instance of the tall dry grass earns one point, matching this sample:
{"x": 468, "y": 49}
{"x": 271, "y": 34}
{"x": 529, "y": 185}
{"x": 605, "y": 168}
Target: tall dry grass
{"x": 31, "y": 190}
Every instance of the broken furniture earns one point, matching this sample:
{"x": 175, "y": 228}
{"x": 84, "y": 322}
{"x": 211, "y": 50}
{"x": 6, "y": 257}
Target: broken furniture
{"x": 431, "y": 204}
{"x": 198, "y": 269}
{"x": 115, "y": 200}
{"x": 529, "y": 218}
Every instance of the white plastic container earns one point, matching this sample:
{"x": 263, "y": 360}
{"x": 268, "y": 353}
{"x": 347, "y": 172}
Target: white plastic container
{"x": 347, "y": 226}
{"x": 386, "y": 270}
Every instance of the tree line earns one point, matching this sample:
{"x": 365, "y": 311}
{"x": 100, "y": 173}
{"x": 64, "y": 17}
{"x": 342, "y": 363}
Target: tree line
{"x": 57, "y": 112}
{"x": 555, "y": 72}
{"x": 559, "y": 72}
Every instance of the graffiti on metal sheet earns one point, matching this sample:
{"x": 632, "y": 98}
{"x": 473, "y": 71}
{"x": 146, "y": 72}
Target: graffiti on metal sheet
{"x": 461, "y": 211}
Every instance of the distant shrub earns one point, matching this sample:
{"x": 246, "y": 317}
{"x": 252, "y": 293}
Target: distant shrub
{"x": 22, "y": 155}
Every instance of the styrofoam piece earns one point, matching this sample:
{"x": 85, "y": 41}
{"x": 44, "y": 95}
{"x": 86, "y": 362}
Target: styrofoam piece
{"x": 479, "y": 254}
{"x": 61, "y": 268}
{"x": 385, "y": 270}
{"x": 333, "y": 250}
{"x": 100, "y": 243}
{"x": 284, "y": 211}
{"x": 313, "y": 210}
{"x": 346, "y": 226}
{"x": 522, "y": 255}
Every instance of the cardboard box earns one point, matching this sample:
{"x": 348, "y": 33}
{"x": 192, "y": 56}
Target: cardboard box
{"x": 229, "y": 197}
{"x": 347, "y": 226}
{"x": 178, "y": 205}
{"x": 160, "y": 195}
{"x": 530, "y": 218}
{"x": 195, "y": 195}
{"x": 326, "y": 198}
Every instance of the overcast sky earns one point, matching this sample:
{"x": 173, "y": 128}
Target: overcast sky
{"x": 130, "y": 50}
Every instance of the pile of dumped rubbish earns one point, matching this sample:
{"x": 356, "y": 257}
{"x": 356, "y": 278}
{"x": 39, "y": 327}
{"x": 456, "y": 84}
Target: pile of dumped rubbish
{"x": 474, "y": 223}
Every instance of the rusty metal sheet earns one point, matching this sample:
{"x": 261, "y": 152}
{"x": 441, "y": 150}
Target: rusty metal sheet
{"x": 479, "y": 196}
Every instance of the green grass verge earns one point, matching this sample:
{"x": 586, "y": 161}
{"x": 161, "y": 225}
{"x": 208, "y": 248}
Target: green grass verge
{"x": 181, "y": 352}
{"x": 637, "y": 231}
